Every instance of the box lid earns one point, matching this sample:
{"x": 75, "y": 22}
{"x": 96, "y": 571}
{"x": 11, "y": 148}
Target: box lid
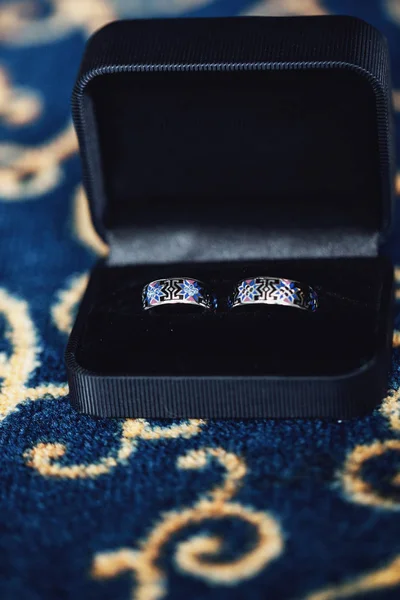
{"x": 205, "y": 139}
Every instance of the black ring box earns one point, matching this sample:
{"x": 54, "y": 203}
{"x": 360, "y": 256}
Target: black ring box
{"x": 224, "y": 148}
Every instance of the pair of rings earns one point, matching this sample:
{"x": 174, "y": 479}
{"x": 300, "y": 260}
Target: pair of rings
{"x": 256, "y": 290}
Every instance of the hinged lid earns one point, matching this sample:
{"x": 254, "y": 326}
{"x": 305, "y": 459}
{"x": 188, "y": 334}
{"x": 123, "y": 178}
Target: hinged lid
{"x": 236, "y": 138}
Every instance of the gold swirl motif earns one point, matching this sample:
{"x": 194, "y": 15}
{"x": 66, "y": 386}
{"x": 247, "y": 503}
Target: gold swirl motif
{"x": 83, "y": 226}
{"x": 396, "y": 100}
{"x": 355, "y": 487}
{"x": 15, "y": 370}
{"x": 18, "y": 106}
{"x": 63, "y": 311}
{"x": 194, "y": 555}
{"x": 382, "y": 578}
{"x": 390, "y": 409}
{"x": 396, "y": 334}
{"x": 397, "y": 269}
{"x": 43, "y": 457}
{"x": 397, "y": 188}
{"x": 19, "y": 24}
{"x": 27, "y": 173}
{"x": 393, "y": 10}
{"x": 281, "y": 8}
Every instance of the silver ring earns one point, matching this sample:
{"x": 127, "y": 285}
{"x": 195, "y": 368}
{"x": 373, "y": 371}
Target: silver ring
{"x": 274, "y": 290}
{"x": 177, "y": 290}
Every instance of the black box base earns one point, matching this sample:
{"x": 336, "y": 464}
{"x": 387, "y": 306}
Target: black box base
{"x": 126, "y": 362}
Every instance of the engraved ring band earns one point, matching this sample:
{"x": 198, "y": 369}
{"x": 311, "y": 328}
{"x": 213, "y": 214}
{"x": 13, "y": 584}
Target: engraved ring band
{"x": 274, "y": 290}
{"x": 177, "y": 290}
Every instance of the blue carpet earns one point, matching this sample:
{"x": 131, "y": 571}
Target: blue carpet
{"x": 145, "y": 510}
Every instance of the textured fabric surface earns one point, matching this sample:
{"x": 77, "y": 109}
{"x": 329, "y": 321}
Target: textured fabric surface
{"x": 146, "y": 510}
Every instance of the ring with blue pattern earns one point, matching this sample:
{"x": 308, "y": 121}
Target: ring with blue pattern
{"x": 177, "y": 290}
{"x": 274, "y": 290}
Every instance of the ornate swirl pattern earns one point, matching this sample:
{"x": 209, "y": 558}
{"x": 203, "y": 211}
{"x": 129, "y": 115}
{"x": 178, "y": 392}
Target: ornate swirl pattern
{"x": 279, "y": 8}
{"x": 17, "y": 367}
{"x": 18, "y": 106}
{"x": 63, "y": 311}
{"x": 83, "y": 226}
{"x": 196, "y": 556}
{"x": 44, "y": 456}
{"x": 27, "y": 173}
{"x": 391, "y": 410}
{"x": 382, "y": 578}
{"x": 355, "y": 485}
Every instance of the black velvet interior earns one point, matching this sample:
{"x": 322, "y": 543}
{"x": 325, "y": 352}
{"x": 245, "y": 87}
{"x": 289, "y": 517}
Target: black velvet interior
{"x": 273, "y": 149}
{"x": 115, "y": 335}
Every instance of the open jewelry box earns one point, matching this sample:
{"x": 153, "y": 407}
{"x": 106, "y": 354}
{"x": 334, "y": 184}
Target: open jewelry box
{"x": 224, "y": 148}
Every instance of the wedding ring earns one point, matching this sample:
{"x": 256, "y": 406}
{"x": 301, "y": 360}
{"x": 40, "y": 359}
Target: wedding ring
{"x": 274, "y": 290}
{"x": 177, "y": 290}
